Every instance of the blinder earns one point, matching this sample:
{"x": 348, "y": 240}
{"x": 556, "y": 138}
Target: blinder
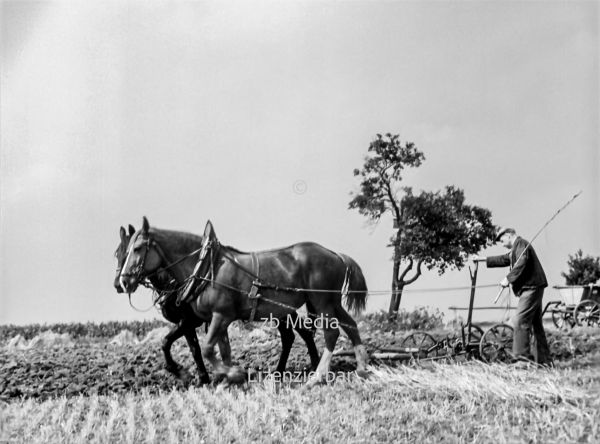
{"x": 138, "y": 270}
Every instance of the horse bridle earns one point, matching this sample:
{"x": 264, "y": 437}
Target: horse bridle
{"x": 138, "y": 270}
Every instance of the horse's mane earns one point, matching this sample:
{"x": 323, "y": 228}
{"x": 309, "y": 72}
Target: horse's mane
{"x": 233, "y": 249}
{"x": 185, "y": 241}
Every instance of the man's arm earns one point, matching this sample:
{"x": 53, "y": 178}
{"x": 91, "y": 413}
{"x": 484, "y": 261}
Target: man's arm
{"x": 522, "y": 258}
{"x": 498, "y": 261}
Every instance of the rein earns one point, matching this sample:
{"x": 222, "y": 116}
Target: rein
{"x": 258, "y": 283}
{"x": 137, "y": 309}
{"x": 161, "y": 253}
{"x": 139, "y": 269}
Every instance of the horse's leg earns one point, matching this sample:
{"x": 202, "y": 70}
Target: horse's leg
{"x": 224, "y": 346}
{"x": 192, "y": 340}
{"x": 225, "y": 349}
{"x": 331, "y": 333}
{"x": 217, "y": 329}
{"x": 287, "y": 340}
{"x": 310, "y": 310}
{"x": 351, "y": 329}
{"x": 175, "y": 333}
{"x": 307, "y": 335}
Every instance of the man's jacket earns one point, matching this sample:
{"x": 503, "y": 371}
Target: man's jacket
{"x": 526, "y": 273}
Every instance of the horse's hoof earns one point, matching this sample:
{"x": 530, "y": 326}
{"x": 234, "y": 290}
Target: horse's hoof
{"x": 184, "y": 375}
{"x": 313, "y": 382}
{"x": 364, "y": 374}
{"x": 222, "y": 386}
{"x": 180, "y": 373}
{"x": 219, "y": 376}
{"x": 204, "y": 380}
{"x": 236, "y": 375}
{"x": 175, "y": 369}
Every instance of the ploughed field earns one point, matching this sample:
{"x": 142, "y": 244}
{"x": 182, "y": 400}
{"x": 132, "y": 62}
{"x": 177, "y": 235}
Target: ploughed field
{"x": 101, "y": 383}
{"x": 49, "y": 364}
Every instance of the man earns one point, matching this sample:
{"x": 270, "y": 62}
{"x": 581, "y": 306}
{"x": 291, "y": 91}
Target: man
{"x": 528, "y": 280}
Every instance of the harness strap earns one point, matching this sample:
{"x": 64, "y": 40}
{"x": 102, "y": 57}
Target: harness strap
{"x": 235, "y": 262}
{"x": 202, "y": 271}
{"x": 280, "y": 304}
{"x": 254, "y": 295}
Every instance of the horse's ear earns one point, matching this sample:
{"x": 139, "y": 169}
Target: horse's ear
{"x": 209, "y": 231}
{"x": 131, "y": 230}
{"x": 122, "y": 233}
{"x": 145, "y": 225}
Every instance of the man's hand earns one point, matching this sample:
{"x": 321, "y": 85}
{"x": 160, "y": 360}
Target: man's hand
{"x": 504, "y": 283}
{"x": 476, "y": 258}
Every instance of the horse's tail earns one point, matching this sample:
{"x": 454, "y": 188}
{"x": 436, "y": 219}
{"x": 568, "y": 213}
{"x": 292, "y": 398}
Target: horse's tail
{"x": 356, "y": 298}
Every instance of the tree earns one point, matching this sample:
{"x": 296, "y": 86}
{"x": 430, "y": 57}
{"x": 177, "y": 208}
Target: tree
{"x": 583, "y": 270}
{"x": 435, "y": 229}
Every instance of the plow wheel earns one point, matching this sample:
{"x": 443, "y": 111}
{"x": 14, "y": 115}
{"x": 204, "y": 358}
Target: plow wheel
{"x": 421, "y": 345}
{"x": 472, "y": 347}
{"x": 587, "y": 314}
{"x": 562, "y": 319}
{"x": 476, "y": 333}
{"x": 496, "y": 344}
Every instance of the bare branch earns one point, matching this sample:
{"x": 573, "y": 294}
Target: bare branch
{"x": 388, "y": 189}
{"x": 417, "y": 274}
{"x": 406, "y": 270}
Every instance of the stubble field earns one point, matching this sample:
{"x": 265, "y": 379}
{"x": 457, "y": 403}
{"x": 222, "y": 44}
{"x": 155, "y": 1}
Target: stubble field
{"x": 97, "y": 385}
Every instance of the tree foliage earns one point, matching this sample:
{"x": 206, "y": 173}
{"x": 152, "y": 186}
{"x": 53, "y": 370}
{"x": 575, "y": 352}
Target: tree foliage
{"x": 381, "y": 172}
{"x": 440, "y": 229}
{"x": 582, "y": 270}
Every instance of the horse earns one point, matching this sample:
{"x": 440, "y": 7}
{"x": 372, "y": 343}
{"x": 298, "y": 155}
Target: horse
{"x": 181, "y": 314}
{"x": 287, "y": 278}
{"x": 183, "y": 318}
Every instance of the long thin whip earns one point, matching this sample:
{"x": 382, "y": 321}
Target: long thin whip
{"x": 537, "y": 234}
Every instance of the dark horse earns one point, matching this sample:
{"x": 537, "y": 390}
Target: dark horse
{"x": 184, "y": 318}
{"x": 304, "y": 273}
{"x": 186, "y": 322}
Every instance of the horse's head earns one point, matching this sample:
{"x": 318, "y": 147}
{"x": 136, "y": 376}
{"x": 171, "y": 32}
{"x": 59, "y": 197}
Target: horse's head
{"x": 121, "y": 255}
{"x": 142, "y": 259}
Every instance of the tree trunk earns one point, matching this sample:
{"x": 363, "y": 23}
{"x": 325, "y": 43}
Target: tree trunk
{"x": 392, "y": 301}
{"x": 398, "y": 297}
{"x": 394, "y": 297}
{"x": 399, "y": 283}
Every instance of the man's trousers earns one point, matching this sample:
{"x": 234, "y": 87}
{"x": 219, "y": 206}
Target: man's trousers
{"x": 528, "y": 319}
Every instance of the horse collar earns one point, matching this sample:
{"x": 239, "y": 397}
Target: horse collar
{"x": 204, "y": 272}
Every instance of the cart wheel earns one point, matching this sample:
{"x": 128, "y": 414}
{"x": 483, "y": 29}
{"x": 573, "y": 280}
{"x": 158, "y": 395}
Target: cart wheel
{"x": 496, "y": 343}
{"x": 562, "y": 319}
{"x": 476, "y": 333}
{"x": 421, "y": 344}
{"x": 587, "y": 313}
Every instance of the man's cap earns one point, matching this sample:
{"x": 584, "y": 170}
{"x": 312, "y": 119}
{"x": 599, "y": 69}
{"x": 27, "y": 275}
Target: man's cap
{"x": 502, "y": 231}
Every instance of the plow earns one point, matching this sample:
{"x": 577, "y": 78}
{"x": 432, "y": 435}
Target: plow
{"x": 471, "y": 342}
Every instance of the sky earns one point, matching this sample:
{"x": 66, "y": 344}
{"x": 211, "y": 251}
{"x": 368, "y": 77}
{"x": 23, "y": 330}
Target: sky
{"x": 255, "y": 114}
